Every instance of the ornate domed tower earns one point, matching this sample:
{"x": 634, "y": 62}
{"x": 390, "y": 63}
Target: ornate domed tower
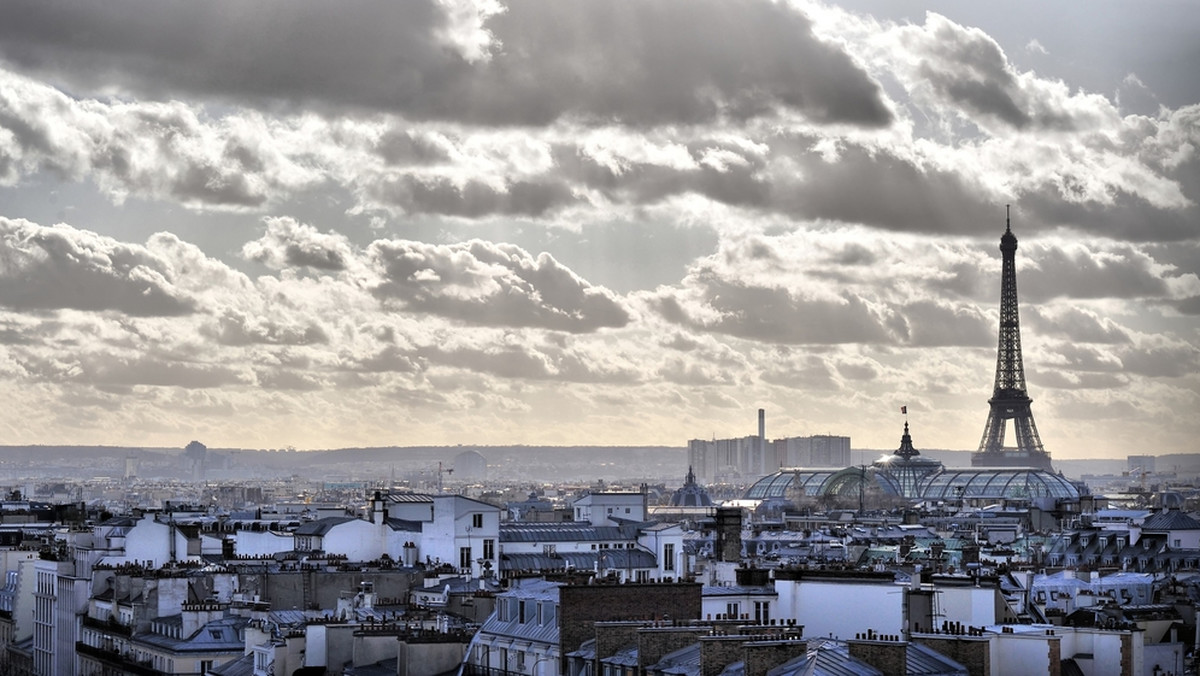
{"x": 691, "y": 494}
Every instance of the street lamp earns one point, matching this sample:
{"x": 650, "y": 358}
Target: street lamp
{"x": 533, "y": 670}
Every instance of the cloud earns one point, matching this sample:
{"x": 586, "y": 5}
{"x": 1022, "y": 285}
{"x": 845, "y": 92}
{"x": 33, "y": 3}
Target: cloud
{"x": 967, "y": 69}
{"x": 1075, "y": 271}
{"x": 491, "y": 284}
{"x": 770, "y": 314}
{"x": 288, "y": 243}
{"x": 53, "y": 268}
{"x": 237, "y": 328}
{"x": 166, "y": 150}
{"x": 940, "y": 324}
{"x": 1078, "y": 324}
{"x": 528, "y": 62}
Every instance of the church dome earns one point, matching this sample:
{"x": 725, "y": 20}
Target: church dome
{"x": 691, "y": 494}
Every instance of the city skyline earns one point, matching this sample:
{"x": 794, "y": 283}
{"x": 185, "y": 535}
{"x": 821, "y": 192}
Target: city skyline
{"x": 541, "y": 222}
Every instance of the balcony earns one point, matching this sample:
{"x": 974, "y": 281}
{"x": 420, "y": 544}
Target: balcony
{"x": 109, "y": 625}
{"x": 112, "y": 658}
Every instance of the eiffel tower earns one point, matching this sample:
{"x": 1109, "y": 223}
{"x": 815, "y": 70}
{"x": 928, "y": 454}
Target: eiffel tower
{"x": 1009, "y": 399}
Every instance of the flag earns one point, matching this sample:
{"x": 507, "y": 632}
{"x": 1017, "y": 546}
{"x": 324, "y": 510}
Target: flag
{"x": 904, "y": 410}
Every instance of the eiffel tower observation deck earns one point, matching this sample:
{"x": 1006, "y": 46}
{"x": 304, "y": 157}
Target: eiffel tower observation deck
{"x": 1009, "y": 399}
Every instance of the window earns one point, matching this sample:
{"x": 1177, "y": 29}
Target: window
{"x": 669, "y": 556}
{"x": 489, "y": 549}
{"x": 549, "y": 550}
{"x": 732, "y": 610}
{"x": 464, "y": 557}
{"x": 521, "y": 616}
{"x": 477, "y": 521}
{"x": 626, "y": 510}
{"x": 762, "y": 612}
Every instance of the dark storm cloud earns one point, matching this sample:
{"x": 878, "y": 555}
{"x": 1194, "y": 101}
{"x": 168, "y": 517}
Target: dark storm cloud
{"x": 51, "y": 268}
{"x": 1116, "y": 272}
{"x": 491, "y": 284}
{"x": 1128, "y": 217}
{"x": 474, "y": 199}
{"x": 934, "y": 324}
{"x": 881, "y": 189}
{"x": 772, "y": 314}
{"x": 661, "y": 62}
{"x": 874, "y": 186}
{"x": 1077, "y": 324}
{"x": 1164, "y": 361}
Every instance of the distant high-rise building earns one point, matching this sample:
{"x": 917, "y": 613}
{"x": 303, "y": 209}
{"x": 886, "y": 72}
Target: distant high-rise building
{"x": 470, "y": 465}
{"x": 1009, "y": 399}
{"x": 822, "y": 450}
{"x": 733, "y": 460}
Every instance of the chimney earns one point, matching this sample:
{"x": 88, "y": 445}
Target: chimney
{"x": 886, "y": 653}
{"x": 718, "y": 652}
{"x": 759, "y": 657}
{"x": 728, "y": 546}
{"x": 655, "y": 642}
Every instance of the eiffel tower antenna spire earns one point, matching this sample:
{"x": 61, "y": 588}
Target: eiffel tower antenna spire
{"x": 1010, "y": 401}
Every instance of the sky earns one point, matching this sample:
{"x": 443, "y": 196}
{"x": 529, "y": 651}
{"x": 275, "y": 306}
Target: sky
{"x": 329, "y": 224}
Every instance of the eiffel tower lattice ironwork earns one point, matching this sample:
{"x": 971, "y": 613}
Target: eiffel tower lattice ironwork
{"x": 1010, "y": 401}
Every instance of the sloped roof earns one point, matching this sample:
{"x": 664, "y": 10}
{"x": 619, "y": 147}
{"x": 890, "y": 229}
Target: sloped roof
{"x": 1170, "y": 520}
{"x": 682, "y": 662}
{"x": 242, "y": 666}
{"x": 323, "y": 526}
{"x": 575, "y": 531}
{"x": 825, "y": 658}
{"x": 218, "y": 636}
{"x": 609, "y": 559}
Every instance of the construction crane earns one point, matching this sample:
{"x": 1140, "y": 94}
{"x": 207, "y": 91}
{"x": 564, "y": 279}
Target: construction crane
{"x": 442, "y": 471}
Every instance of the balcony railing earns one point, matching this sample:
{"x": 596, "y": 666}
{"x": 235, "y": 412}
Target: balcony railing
{"x": 109, "y": 625}
{"x": 113, "y": 658}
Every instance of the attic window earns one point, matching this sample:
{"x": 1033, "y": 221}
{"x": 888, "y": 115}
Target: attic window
{"x": 215, "y": 633}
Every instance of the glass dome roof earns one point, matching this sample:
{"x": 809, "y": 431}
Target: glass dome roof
{"x": 777, "y": 485}
{"x": 999, "y": 483}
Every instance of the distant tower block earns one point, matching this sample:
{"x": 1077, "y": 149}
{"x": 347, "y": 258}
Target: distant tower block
{"x": 1009, "y": 399}
{"x": 131, "y": 466}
